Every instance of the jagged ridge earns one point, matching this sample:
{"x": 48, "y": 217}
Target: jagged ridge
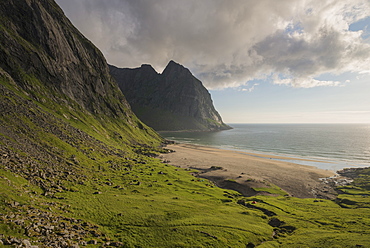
{"x": 172, "y": 101}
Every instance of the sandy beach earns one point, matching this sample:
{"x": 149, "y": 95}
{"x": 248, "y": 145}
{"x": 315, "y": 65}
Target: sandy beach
{"x": 248, "y": 170}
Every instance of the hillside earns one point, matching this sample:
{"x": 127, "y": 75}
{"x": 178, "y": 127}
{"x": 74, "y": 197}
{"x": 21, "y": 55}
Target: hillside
{"x": 79, "y": 169}
{"x": 77, "y": 165}
{"x": 172, "y": 101}
{"x": 46, "y": 59}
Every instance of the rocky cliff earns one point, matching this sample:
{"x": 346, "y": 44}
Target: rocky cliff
{"x": 172, "y": 101}
{"x": 57, "y": 99}
{"x": 64, "y": 124}
{"x": 52, "y": 63}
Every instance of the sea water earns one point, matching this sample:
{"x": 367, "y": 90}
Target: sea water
{"x": 332, "y": 146}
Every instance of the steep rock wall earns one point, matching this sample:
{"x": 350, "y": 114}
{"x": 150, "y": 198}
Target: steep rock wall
{"x": 172, "y": 101}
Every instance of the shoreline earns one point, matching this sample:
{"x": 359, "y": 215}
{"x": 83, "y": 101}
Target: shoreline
{"x": 243, "y": 171}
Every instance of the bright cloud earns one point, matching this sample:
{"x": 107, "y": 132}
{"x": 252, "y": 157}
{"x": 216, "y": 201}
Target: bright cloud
{"x": 249, "y": 88}
{"x": 228, "y": 43}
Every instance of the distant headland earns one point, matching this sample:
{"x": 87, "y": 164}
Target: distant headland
{"x": 172, "y": 101}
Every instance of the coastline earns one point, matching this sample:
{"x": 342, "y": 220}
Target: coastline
{"x": 243, "y": 171}
{"x": 330, "y": 146}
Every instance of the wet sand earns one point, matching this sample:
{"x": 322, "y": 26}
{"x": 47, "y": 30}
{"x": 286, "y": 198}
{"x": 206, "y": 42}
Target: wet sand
{"x": 250, "y": 171}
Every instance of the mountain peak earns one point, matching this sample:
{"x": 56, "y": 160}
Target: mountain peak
{"x": 173, "y": 63}
{"x": 148, "y": 68}
{"x": 174, "y": 67}
{"x": 172, "y": 101}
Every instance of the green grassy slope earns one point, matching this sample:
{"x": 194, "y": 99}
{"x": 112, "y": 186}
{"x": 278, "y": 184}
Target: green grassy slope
{"x": 96, "y": 189}
{"x": 77, "y": 165}
{"x": 82, "y": 182}
{"x": 68, "y": 178}
{"x": 343, "y": 222}
{"x": 80, "y": 179}
{"x": 83, "y": 170}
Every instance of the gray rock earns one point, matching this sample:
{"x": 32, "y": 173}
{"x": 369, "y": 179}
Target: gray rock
{"x": 26, "y": 243}
{"x": 83, "y": 243}
{"x": 66, "y": 59}
{"x": 171, "y": 101}
{"x": 47, "y": 227}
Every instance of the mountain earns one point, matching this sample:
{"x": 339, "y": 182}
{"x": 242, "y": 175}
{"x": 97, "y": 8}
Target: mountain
{"x": 172, "y": 101}
{"x": 49, "y": 62}
{"x": 63, "y": 124}
{"x": 77, "y": 167}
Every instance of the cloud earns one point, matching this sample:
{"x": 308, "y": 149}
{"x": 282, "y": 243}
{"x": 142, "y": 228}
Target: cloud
{"x": 228, "y": 43}
{"x": 306, "y": 82}
{"x": 250, "y": 89}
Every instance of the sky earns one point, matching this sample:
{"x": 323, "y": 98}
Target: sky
{"x": 265, "y": 61}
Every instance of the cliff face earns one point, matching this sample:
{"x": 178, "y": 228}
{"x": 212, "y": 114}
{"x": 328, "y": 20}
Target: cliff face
{"x": 62, "y": 114}
{"x": 39, "y": 40}
{"x": 53, "y": 64}
{"x": 172, "y": 101}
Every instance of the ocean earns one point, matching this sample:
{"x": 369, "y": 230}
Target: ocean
{"x": 333, "y": 146}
